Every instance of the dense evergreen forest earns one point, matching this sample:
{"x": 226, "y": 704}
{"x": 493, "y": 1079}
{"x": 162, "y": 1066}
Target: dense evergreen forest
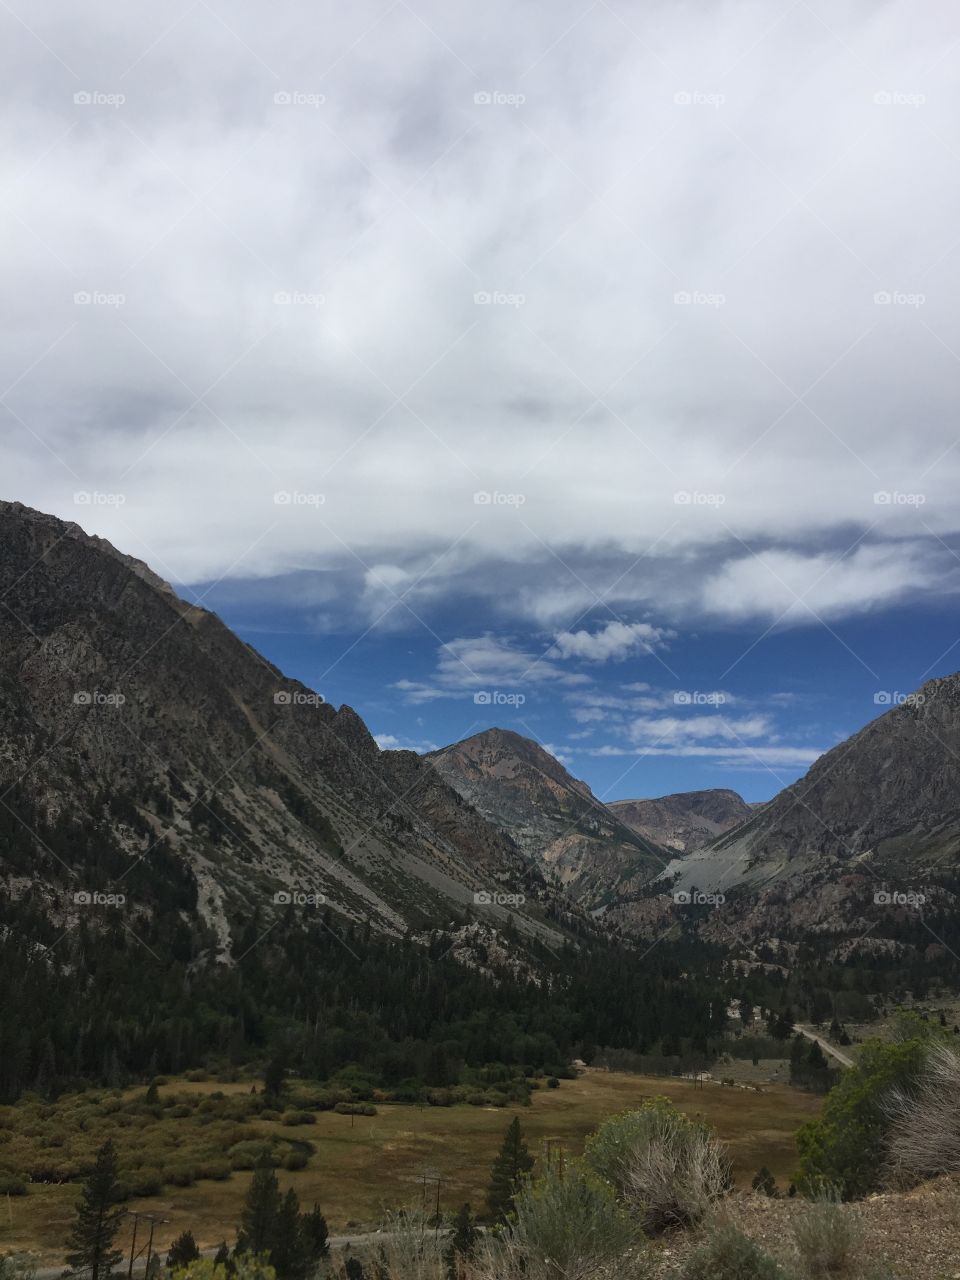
{"x": 127, "y": 993}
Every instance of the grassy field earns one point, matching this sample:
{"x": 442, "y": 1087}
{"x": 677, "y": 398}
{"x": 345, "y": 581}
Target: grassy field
{"x": 362, "y": 1165}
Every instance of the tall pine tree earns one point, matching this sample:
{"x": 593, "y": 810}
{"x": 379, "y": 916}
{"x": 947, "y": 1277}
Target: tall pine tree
{"x": 509, "y": 1168}
{"x": 98, "y": 1218}
{"x": 261, "y": 1208}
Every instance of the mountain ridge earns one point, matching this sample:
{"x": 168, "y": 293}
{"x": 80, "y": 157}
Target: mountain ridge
{"x": 113, "y": 686}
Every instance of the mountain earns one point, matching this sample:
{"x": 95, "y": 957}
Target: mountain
{"x": 145, "y": 748}
{"x": 685, "y": 821}
{"x": 864, "y": 848}
{"x": 886, "y": 801}
{"x": 554, "y": 818}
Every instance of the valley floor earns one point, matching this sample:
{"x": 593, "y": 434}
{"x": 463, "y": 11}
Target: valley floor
{"x": 364, "y": 1165}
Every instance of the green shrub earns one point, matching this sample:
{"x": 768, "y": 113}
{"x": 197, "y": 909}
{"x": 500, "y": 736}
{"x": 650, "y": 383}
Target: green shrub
{"x": 144, "y": 1182}
{"x": 12, "y": 1184}
{"x": 845, "y": 1147}
{"x": 295, "y": 1159}
{"x": 269, "y": 1114}
{"x": 354, "y": 1109}
{"x": 213, "y": 1170}
{"x": 181, "y": 1111}
{"x": 302, "y": 1117}
{"x": 564, "y": 1225}
{"x": 669, "y": 1167}
{"x": 829, "y": 1239}
{"x": 247, "y": 1155}
{"x": 725, "y": 1253}
{"x": 180, "y": 1175}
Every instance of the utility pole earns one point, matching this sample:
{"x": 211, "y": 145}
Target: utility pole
{"x": 134, "y": 1252}
{"x": 549, "y": 1145}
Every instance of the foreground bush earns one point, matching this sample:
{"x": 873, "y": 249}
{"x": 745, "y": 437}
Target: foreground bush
{"x": 727, "y": 1254}
{"x": 846, "y": 1147}
{"x": 924, "y": 1138}
{"x": 243, "y": 1266}
{"x": 565, "y": 1227}
{"x": 670, "y": 1168}
{"x": 829, "y": 1239}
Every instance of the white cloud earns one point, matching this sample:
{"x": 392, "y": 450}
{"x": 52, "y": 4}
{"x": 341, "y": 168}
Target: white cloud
{"x": 613, "y": 642}
{"x": 473, "y": 664}
{"x": 745, "y": 757}
{"x": 675, "y": 730}
{"x": 793, "y": 587}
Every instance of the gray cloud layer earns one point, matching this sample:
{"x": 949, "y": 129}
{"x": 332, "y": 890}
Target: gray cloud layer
{"x": 658, "y": 280}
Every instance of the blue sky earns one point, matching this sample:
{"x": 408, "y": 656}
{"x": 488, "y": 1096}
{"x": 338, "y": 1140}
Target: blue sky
{"x": 590, "y": 354}
{"x": 636, "y": 723}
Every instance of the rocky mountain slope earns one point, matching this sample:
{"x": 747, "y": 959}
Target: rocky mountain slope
{"x": 143, "y": 744}
{"x": 685, "y": 821}
{"x": 886, "y": 802}
{"x": 553, "y": 817}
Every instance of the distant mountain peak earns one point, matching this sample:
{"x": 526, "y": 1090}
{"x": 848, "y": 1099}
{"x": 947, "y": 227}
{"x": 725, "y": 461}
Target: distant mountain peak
{"x": 554, "y": 817}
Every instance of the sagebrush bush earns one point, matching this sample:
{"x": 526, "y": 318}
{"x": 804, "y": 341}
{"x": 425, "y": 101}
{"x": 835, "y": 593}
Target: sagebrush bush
{"x": 725, "y": 1253}
{"x": 924, "y": 1119}
{"x": 829, "y": 1239}
{"x": 565, "y": 1226}
{"x": 299, "y": 1117}
{"x": 670, "y": 1168}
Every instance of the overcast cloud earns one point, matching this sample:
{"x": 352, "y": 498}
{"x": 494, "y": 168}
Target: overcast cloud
{"x": 381, "y": 164}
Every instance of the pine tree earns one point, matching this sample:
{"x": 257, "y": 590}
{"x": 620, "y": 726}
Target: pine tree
{"x": 98, "y": 1219}
{"x": 183, "y": 1250}
{"x": 288, "y": 1254}
{"x": 315, "y": 1233}
{"x": 509, "y": 1167}
{"x": 463, "y": 1242}
{"x": 261, "y": 1209}
{"x": 275, "y": 1077}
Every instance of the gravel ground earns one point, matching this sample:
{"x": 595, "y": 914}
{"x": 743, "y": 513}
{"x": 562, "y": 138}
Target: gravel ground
{"x": 916, "y": 1234}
